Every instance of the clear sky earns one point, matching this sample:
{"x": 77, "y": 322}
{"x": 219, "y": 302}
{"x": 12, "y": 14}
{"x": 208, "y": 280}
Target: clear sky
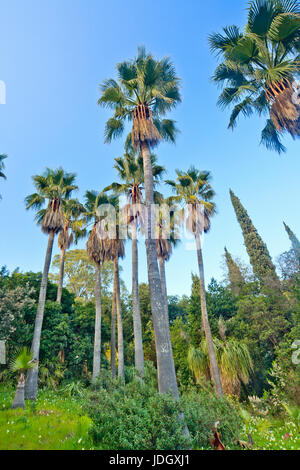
{"x": 54, "y": 54}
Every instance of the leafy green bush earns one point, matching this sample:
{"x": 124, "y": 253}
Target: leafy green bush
{"x": 202, "y": 409}
{"x": 134, "y": 416}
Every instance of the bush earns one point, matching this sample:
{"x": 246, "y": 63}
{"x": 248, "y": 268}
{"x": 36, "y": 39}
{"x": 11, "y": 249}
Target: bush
{"x": 134, "y": 416}
{"x": 202, "y": 409}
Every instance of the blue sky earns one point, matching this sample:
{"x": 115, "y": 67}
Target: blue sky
{"x": 54, "y": 54}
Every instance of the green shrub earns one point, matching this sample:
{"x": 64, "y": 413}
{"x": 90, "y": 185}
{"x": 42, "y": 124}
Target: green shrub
{"x": 202, "y": 409}
{"x": 134, "y": 416}
{"x": 130, "y": 417}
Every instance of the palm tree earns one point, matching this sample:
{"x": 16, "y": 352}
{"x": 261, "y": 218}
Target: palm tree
{"x": 145, "y": 90}
{"x": 2, "y": 167}
{"x": 166, "y": 238}
{"x": 97, "y": 249}
{"x": 53, "y": 187}
{"x": 21, "y": 363}
{"x": 259, "y": 67}
{"x": 72, "y": 209}
{"x": 131, "y": 173}
{"x": 194, "y": 190}
{"x": 234, "y": 361}
{"x": 116, "y": 250}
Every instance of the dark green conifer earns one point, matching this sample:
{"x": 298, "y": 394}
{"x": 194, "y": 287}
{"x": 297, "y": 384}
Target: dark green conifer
{"x": 294, "y": 240}
{"x": 235, "y": 276}
{"x": 257, "y": 250}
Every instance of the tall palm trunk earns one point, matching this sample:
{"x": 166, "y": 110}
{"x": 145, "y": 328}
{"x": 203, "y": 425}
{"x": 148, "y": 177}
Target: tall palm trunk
{"x": 163, "y": 284}
{"x": 214, "y": 370}
{"x": 113, "y": 334}
{"x": 137, "y": 324}
{"x": 119, "y": 318}
{"x": 61, "y": 275}
{"x": 31, "y": 386}
{"x": 165, "y": 362}
{"x": 97, "y": 339}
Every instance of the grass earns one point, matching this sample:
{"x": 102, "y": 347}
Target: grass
{"x": 54, "y": 422}
{"x": 269, "y": 433}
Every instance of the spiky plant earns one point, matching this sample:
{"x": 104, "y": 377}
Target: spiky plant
{"x": 193, "y": 189}
{"x": 53, "y": 189}
{"x": 21, "y": 362}
{"x": 145, "y": 90}
{"x": 259, "y": 66}
{"x": 234, "y": 361}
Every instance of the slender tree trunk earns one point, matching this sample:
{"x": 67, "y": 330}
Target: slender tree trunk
{"x": 31, "y": 386}
{"x": 164, "y": 285}
{"x": 19, "y": 401}
{"x": 214, "y": 370}
{"x": 97, "y": 339}
{"x": 137, "y": 324}
{"x": 113, "y": 334}
{"x": 61, "y": 275}
{"x": 119, "y": 318}
{"x": 165, "y": 362}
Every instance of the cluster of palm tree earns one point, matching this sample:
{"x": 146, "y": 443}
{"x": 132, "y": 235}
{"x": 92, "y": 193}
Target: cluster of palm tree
{"x": 146, "y": 89}
{"x": 258, "y": 69}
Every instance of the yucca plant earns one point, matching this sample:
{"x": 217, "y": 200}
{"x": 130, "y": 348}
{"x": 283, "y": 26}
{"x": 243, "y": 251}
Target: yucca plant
{"x": 21, "y": 363}
{"x": 259, "y": 67}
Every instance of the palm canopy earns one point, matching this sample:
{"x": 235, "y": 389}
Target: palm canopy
{"x": 259, "y": 66}
{"x": 131, "y": 173}
{"x": 234, "y": 361}
{"x": 53, "y": 189}
{"x": 145, "y": 90}
{"x": 73, "y": 212}
{"x": 22, "y": 360}
{"x": 193, "y": 189}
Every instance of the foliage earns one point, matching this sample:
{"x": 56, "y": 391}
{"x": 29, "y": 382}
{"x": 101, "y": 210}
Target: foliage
{"x": 254, "y": 62}
{"x": 22, "y": 360}
{"x": 202, "y": 409}
{"x": 257, "y": 250}
{"x": 80, "y": 274}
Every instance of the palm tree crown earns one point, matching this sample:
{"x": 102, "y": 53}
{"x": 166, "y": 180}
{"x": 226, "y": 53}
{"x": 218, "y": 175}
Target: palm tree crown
{"x": 194, "y": 190}
{"x": 54, "y": 187}
{"x": 258, "y": 68}
{"x": 144, "y": 91}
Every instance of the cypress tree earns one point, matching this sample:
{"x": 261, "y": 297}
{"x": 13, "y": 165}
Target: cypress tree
{"x": 235, "y": 276}
{"x": 257, "y": 250}
{"x": 294, "y": 240}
